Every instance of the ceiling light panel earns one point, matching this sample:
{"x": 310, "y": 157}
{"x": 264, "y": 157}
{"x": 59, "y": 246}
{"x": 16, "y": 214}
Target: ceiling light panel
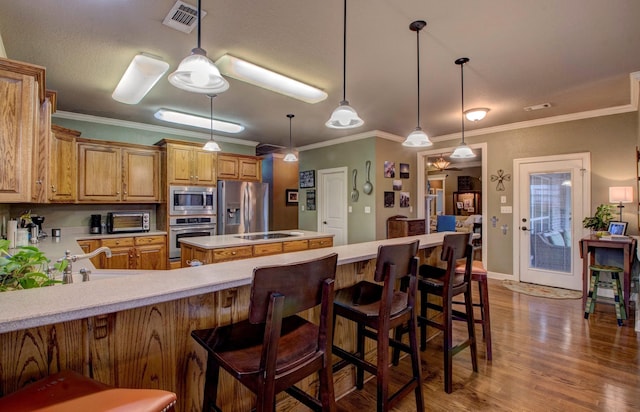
{"x": 197, "y": 121}
{"x": 143, "y": 73}
{"x": 261, "y": 77}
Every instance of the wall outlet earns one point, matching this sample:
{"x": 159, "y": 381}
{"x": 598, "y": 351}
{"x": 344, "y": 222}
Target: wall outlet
{"x": 302, "y": 207}
{"x": 350, "y": 209}
{"x": 367, "y": 209}
{"x": 506, "y": 209}
{"x": 503, "y": 199}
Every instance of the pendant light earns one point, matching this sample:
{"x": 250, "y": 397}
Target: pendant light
{"x": 211, "y": 145}
{"x": 344, "y": 116}
{"x": 462, "y": 151}
{"x": 290, "y": 157}
{"x": 418, "y": 138}
{"x": 196, "y": 73}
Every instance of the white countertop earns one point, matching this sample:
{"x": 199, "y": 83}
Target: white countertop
{"x": 37, "y": 307}
{"x": 220, "y": 241}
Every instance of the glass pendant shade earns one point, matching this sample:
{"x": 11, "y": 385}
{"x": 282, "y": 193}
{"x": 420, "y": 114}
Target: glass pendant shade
{"x": 463, "y": 151}
{"x": 475, "y": 115}
{"x": 212, "y": 146}
{"x": 344, "y": 117}
{"x": 290, "y": 157}
{"x": 417, "y": 138}
{"x": 196, "y": 73}
{"x": 441, "y": 163}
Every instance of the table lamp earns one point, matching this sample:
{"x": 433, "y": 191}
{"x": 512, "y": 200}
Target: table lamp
{"x": 620, "y": 195}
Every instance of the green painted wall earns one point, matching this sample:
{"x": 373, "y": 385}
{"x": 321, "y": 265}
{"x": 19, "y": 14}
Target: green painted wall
{"x": 130, "y": 135}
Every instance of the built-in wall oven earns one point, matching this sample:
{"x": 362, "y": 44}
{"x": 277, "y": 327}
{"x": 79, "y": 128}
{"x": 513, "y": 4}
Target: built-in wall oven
{"x": 191, "y": 226}
{"x": 192, "y": 200}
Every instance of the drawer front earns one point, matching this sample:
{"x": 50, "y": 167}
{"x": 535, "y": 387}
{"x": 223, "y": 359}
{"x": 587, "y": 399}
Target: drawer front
{"x": 267, "y": 249}
{"x": 233, "y": 253}
{"x": 295, "y": 245}
{"x": 321, "y": 242}
{"x": 149, "y": 240}
{"x": 416, "y": 228}
{"x": 118, "y": 242}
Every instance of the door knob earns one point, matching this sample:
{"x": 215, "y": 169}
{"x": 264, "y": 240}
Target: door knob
{"x": 524, "y": 228}
{"x": 324, "y": 223}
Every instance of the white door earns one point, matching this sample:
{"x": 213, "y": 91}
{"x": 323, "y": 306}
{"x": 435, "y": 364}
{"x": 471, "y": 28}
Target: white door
{"x": 553, "y": 199}
{"x": 332, "y": 204}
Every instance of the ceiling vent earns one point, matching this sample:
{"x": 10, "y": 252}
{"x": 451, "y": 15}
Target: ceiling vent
{"x": 265, "y": 149}
{"x": 183, "y": 17}
{"x": 537, "y": 107}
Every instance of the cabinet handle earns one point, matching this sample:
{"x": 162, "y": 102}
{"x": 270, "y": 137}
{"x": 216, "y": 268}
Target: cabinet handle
{"x": 234, "y": 252}
{"x": 118, "y": 193}
{"x": 125, "y": 192}
{"x": 53, "y": 188}
{"x": 197, "y": 177}
{"x": 39, "y": 182}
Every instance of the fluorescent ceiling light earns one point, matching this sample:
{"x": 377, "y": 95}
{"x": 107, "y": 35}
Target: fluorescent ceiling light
{"x": 197, "y": 121}
{"x": 143, "y": 73}
{"x": 261, "y": 77}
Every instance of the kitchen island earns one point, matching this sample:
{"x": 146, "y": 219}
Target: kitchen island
{"x": 223, "y": 248}
{"x": 134, "y": 330}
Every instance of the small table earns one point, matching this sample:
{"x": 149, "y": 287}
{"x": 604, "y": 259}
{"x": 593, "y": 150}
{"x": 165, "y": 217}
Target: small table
{"x": 588, "y": 246}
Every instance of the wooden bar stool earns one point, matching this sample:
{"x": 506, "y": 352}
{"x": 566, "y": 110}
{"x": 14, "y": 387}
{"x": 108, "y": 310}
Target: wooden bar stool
{"x": 621, "y": 313}
{"x": 275, "y": 348}
{"x": 446, "y": 283}
{"x": 479, "y": 274}
{"x": 68, "y": 391}
{"x": 378, "y": 309}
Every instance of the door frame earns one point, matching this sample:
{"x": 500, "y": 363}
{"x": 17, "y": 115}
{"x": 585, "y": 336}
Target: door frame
{"x": 319, "y": 195}
{"x": 422, "y": 184}
{"x": 586, "y": 201}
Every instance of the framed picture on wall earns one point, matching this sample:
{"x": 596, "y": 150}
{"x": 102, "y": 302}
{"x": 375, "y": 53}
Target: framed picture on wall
{"x": 389, "y": 169}
{"x": 307, "y": 179}
{"x": 291, "y": 197}
{"x": 389, "y": 199}
{"x": 311, "y": 199}
{"x": 404, "y": 170}
{"x": 404, "y": 199}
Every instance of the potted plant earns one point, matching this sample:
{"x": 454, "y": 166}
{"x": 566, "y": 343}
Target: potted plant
{"x": 24, "y": 268}
{"x": 599, "y": 222}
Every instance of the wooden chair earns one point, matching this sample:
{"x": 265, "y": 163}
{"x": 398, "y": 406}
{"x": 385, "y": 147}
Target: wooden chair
{"x": 446, "y": 283}
{"x": 275, "y": 348}
{"x": 70, "y": 391}
{"x": 378, "y": 309}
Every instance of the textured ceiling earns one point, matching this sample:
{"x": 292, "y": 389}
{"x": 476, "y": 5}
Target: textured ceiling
{"x": 575, "y": 54}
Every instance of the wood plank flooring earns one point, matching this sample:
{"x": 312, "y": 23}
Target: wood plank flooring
{"x": 546, "y": 357}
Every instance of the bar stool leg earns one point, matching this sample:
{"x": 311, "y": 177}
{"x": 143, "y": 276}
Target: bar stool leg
{"x": 621, "y": 313}
{"x": 593, "y": 293}
{"x": 484, "y": 315}
{"x": 211, "y": 386}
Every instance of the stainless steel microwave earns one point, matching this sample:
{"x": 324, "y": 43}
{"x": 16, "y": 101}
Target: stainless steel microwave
{"x": 123, "y": 222}
{"x": 192, "y": 200}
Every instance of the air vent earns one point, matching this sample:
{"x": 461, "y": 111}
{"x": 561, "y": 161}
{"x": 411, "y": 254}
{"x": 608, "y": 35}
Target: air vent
{"x": 264, "y": 149}
{"x": 537, "y": 107}
{"x": 183, "y": 17}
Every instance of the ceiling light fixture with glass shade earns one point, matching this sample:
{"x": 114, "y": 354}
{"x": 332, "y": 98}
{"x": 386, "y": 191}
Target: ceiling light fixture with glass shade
{"x": 344, "y": 116}
{"x": 476, "y": 114}
{"x": 143, "y": 73}
{"x": 211, "y": 145}
{"x": 441, "y": 163}
{"x": 196, "y": 73}
{"x": 290, "y": 156}
{"x": 463, "y": 151}
{"x": 418, "y": 138}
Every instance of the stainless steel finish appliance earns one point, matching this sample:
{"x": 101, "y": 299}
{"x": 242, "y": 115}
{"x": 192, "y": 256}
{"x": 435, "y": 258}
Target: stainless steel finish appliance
{"x": 243, "y": 207}
{"x": 182, "y": 227}
{"x": 127, "y": 222}
{"x": 192, "y": 200}
{"x": 95, "y": 227}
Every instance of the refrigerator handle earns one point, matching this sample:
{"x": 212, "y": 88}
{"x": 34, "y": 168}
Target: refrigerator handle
{"x": 245, "y": 208}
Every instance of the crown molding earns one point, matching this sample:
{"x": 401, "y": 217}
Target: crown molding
{"x": 149, "y": 127}
{"x": 352, "y": 138}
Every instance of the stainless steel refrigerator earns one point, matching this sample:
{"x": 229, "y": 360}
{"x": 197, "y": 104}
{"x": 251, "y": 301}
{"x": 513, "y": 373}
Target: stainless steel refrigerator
{"x": 243, "y": 207}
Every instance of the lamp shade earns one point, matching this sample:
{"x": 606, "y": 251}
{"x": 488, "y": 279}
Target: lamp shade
{"x": 477, "y": 114}
{"x": 621, "y": 194}
{"x": 344, "y": 117}
{"x": 417, "y": 138}
{"x": 463, "y": 151}
{"x": 196, "y": 73}
{"x": 212, "y": 146}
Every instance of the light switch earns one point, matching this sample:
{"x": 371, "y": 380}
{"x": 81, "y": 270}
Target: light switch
{"x": 302, "y": 207}
{"x": 506, "y": 209}
{"x": 367, "y": 209}
{"x": 410, "y": 209}
{"x": 350, "y": 209}
{"x": 503, "y": 199}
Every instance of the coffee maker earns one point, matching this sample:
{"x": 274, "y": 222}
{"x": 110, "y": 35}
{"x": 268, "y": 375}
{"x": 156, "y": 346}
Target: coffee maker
{"x": 38, "y": 221}
{"x": 96, "y": 224}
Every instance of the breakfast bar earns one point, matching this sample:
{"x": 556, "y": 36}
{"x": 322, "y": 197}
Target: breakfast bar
{"x": 134, "y": 330}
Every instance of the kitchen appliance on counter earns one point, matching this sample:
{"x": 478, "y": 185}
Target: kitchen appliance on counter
{"x": 192, "y": 226}
{"x": 128, "y": 222}
{"x": 95, "y": 225}
{"x": 192, "y": 200}
{"x": 243, "y": 207}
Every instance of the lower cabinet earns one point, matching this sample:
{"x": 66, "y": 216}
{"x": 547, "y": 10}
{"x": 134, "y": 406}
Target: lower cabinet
{"x": 207, "y": 256}
{"x": 139, "y": 252}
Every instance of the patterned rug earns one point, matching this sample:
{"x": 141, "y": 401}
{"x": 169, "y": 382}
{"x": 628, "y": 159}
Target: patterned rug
{"x": 541, "y": 291}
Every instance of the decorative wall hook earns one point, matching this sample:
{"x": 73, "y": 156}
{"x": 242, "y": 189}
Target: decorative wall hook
{"x": 500, "y": 177}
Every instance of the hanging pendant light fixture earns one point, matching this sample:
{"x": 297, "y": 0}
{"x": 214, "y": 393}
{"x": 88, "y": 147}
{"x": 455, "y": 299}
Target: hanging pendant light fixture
{"x": 344, "y": 116}
{"x": 211, "y": 145}
{"x": 462, "y": 151}
{"x": 196, "y": 73}
{"x": 418, "y": 138}
{"x": 290, "y": 157}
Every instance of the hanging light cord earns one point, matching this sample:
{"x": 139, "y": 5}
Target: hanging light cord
{"x": 211, "y": 96}
{"x": 290, "y": 116}
{"x": 418, "y": 72}
{"x": 199, "y": 11}
{"x": 462, "y": 97}
{"x": 344, "y": 53}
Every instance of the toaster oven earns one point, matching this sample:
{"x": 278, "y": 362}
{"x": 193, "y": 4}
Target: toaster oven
{"x": 127, "y": 222}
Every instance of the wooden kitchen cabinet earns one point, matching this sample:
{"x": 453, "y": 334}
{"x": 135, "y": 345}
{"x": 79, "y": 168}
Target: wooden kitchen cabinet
{"x": 401, "y": 227}
{"x": 109, "y": 173}
{"x": 239, "y": 167}
{"x": 150, "y": 252}
{"x": 132, "y": 252}
{"x": 89, "y": 246}
{"x": 63, "y": 165}
{"x": 190, "y": 165}
{"x": 122, "y": 253}
{"x": 22, "y": 91}
{"x": 320, "y": 242}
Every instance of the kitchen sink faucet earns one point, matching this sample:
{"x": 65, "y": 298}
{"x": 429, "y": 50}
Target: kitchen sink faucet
{"x": 67, "y": 275}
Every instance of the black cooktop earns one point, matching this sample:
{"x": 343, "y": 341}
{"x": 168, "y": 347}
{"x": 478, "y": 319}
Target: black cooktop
{"x": 261, "y": 236}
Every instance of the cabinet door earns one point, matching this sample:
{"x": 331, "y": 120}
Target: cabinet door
{"x": 179, "y": 163}
{"x": 151, "y": 257}
{"x": 204, "y": 164}
{"x": 41, "y": 154}
{"x": 227, "y": 167}
{"x": 99, "y": 173}
{"x": 122, "y": 253}
{"x": 140, "y": 175}
{"x": 63, "y": 165}
{"x": 17, "y": 134}
{"x": 249, "y": 169}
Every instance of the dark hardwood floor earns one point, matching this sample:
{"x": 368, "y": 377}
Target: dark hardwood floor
{"x": 546, "y": 357}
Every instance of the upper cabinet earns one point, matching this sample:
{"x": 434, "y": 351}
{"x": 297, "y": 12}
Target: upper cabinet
{"x": 21, "y": 95}
{"x": 239, "y": 167}
{"x": 63, "y": 165}
{"x": 109, "y": 173}
{"x": 190, "y": 165}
